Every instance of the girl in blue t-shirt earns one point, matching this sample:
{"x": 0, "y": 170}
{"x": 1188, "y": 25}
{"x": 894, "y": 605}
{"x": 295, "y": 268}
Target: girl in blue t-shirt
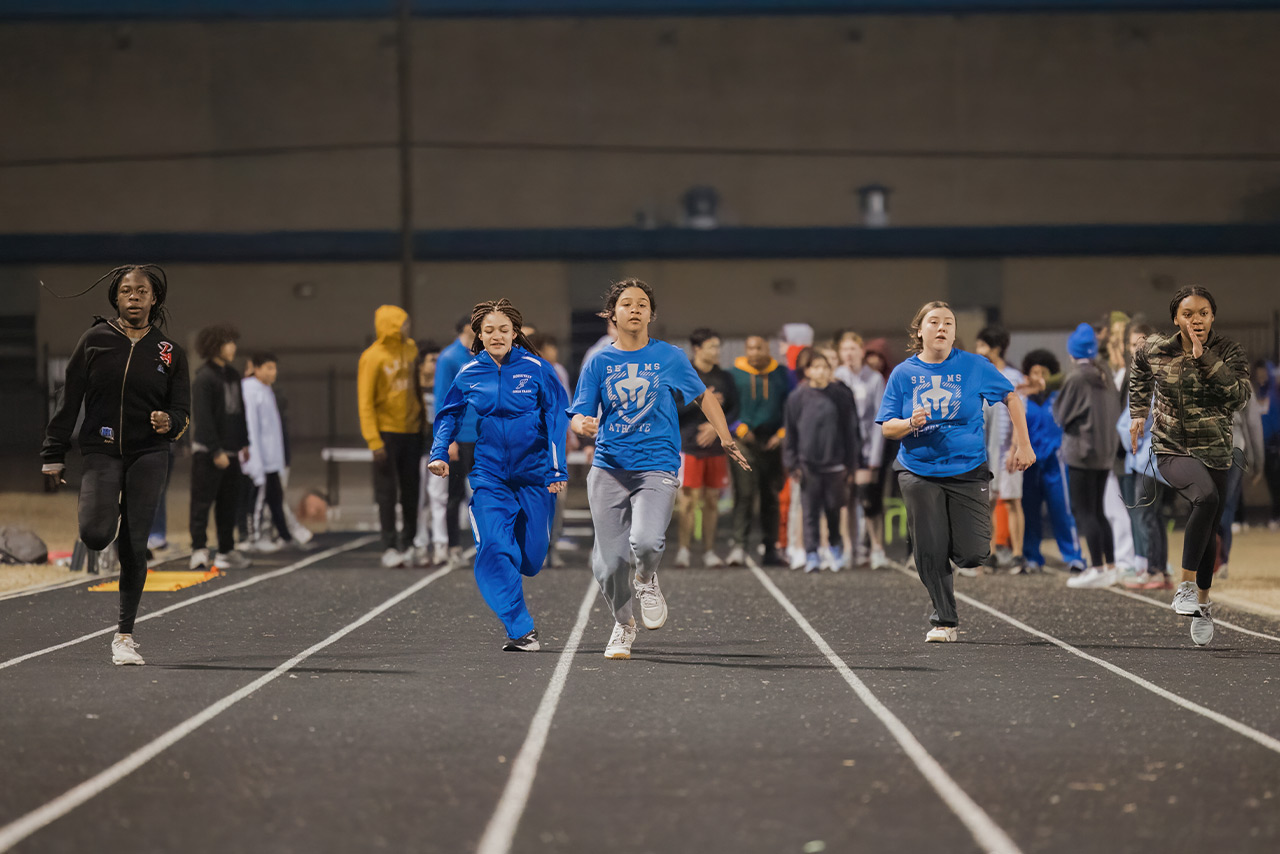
{"x": 933, "y": 404}
{"x": 627, "y": 400}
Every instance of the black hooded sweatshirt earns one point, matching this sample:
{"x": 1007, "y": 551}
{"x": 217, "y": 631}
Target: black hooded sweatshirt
{"x": 121, "y": 382}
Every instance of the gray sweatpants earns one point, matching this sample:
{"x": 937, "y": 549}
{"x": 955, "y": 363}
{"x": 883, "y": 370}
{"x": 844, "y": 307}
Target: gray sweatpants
{"x": 630, "y": 511}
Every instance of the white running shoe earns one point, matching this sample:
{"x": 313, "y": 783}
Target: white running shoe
{"x": 683, "y": 558}
{"x": 1185, "y": 603}
{"x": 392, "y": 558}
{"x": 439, "y": 554}
{"x": 797, "y": 559}
{"x": 1094, "y": 576}
{"x": 737, "y": 557}
{"x": 231, "y": 560}
{"x": 124, "y": 650}
{"x": 266, "y": 546}
{"x": 653, "y": 605}
{"x": 526, "y": 643}
{"x": 1202, "y": 624}
{"x": 199, "y": 559}
{"x": 941, "y": 634}
{"x": 711, "y": 560}
{"x": 879, "y": 560}
{"x": 620, "y": 641}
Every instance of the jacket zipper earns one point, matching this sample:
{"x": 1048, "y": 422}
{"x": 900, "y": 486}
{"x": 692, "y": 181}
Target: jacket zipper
{"x": 123, "y": 380}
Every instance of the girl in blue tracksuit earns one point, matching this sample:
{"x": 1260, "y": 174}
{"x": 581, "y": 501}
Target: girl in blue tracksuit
{"x": 519, "y": 460}
{"x": 1045, "y": 482}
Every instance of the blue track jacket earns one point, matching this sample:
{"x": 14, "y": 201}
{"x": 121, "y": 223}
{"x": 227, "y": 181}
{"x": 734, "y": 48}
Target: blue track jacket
{"x": 521, "y": 406}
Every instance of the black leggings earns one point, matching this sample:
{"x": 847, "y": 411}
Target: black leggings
{"x": 1088, "y": 488}
{"x": 269, "y": 497}
{"x": 459, "y": 470}
{"x": 124, "y": 492}
{"x": 398, "y": 473}
{"x": 1206, "y": 489}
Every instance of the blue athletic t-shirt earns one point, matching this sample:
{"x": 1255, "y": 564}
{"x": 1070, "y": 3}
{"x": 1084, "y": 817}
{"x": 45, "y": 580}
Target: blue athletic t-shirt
{"x": 952, "y": 441}
{"x": 635, "y": 393}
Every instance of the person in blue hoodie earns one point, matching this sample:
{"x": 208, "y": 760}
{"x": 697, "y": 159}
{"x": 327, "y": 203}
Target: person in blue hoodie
{"x": 1045, "y": 483}
{"x": 519, "y": 465}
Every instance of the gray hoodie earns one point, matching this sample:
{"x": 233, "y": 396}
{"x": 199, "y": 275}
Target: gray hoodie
{"x": 1087, "y": 409}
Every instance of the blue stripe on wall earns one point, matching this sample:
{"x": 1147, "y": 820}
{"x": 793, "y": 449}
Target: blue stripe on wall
{"x": 582, "y": 244}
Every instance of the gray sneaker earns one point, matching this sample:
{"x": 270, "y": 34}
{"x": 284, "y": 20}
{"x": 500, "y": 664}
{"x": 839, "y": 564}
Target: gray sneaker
{"x": 1185, "y": 603}
{"x": 653, "y": 606}
{"x": 1202, "y": 624}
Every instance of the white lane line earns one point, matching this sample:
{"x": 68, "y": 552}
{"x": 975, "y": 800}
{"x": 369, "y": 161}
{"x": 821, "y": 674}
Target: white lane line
{"x": 989, "y": 835}
{"x": 1216, "y": 620}
{"x": 293, "y": 567}
{"x": 501, "y": 831}
{"x": 1247, "y": 731}
{"x": 16, "y": 831}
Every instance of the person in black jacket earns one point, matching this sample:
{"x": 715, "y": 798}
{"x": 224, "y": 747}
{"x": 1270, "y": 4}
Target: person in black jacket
{"x": 821, "y": 450}
{"x": 219, "y": 439}
{"x": 133, "y": 383}
{"x": 704, "y": 469}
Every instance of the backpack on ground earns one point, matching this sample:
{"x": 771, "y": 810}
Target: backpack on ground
{"x": 21, "y": 545}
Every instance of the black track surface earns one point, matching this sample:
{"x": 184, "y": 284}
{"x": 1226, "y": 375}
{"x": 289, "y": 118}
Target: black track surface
{"x": 729, "y": 731}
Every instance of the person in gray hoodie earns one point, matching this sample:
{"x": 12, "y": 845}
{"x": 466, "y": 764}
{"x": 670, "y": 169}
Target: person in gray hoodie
{"x": 1087, "y": 409}
{"x": 821, "y": 450}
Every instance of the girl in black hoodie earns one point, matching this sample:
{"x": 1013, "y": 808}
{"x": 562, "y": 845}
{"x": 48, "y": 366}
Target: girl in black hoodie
{"x": 136, "y": 393}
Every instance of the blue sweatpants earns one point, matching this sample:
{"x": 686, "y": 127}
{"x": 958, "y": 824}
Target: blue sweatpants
{"x": 1046, "y": 482}
{"x": 512, "y": 528}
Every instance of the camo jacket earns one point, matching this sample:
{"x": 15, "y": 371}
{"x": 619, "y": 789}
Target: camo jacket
{"x": 1194, "y": 398}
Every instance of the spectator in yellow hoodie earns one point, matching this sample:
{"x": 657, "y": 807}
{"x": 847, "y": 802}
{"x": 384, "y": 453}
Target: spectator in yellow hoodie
{"x": 391, "y": 422}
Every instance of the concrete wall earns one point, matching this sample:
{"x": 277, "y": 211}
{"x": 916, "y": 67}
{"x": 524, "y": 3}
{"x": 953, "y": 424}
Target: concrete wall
{"x": 972, "y": 119}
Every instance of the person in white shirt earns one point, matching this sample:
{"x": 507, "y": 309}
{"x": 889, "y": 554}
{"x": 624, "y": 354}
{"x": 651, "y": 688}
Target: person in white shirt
{"x": 866, "y": 505}
{"x": 266, "y": 456}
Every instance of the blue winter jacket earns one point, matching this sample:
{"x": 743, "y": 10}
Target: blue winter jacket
{"x": 1046, "y": 435}
{"x": 522, "y": 422}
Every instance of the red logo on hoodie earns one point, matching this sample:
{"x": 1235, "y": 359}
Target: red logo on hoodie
{"x": 166, "y": 353}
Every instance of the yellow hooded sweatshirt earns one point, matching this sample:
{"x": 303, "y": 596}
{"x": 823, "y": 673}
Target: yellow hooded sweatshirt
{"x": 385, "y": 385}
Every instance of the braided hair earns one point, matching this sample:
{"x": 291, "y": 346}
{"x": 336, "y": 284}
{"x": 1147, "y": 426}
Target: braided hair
{"x": 499, "y": 306}
{"x": 154, "y": 274}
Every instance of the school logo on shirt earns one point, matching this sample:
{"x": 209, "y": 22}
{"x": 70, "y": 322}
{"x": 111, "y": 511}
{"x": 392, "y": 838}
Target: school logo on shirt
{"x": 631, "y": 388}
{"x": 939, "y": 394}
{"x": 522, "y": 387}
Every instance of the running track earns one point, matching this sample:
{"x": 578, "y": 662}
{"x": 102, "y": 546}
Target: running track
{"x": 338, "y": 706}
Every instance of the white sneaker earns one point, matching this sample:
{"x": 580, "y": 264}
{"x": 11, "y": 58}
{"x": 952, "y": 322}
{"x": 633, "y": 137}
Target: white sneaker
{"x": 439, "y": 554}
{"x": 711, "y": 560}
{"x": 124, "y": 650}
{"x": 653, "y": 605}
{"x": 231, "y": 560}
{"x": 620, "y": 641}
{"x": 266, "y": 546}
{"x": 199, "y": 559}
{"x": 683, "y": 558}
{"x": 1094, "y": 576}
{"x": 797, "y": 558}
{"x": 414, "y": 557}
{"x": 941, "y": 634}
{"x": 1185, "y": 601}
{"x": 879, "y": 560}
{"x": 1202, "y": 624}
{"x": 392, "y": 558}
{"x": 1222, "y": 571}
{"x": 737, "y": 557}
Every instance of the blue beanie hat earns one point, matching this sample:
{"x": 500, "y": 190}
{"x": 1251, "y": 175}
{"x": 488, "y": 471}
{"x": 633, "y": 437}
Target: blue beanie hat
{"x": 1083, "y": 343}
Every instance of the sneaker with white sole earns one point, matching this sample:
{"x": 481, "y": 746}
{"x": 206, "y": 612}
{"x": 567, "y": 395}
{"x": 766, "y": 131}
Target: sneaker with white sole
{"x": 683, "y": 558}
{"x": 835, "y": 558}
{"x": 737, "y": 557}
{"x": 1202, "y": 624}
{"x": 711, "y": 560}
{"x": 125, "y": 651}
{"x": 879, "y": 560}
{"x": 525, "y": 643}
{"x": 620, "y": 641}
{"x": 796, "y": 558}
{"x": 812, "y": 563}
{"x": 1185, "y": 601}
{"x": 1093, "y": 577}
{"x": 653, "y": 605}
{"x": 199, "y": 559}
{"x": 439, "y": 554}
{"x": 231, "y": 560}
{"x": 392, "y": 558}
{"x": 266, "y": 546}
{"x": 941, "y": 634}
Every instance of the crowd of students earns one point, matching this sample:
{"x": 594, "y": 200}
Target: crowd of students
{"x": 817, "y": 436}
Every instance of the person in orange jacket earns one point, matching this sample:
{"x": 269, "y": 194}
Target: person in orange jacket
{"x": 391, "y": 423}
